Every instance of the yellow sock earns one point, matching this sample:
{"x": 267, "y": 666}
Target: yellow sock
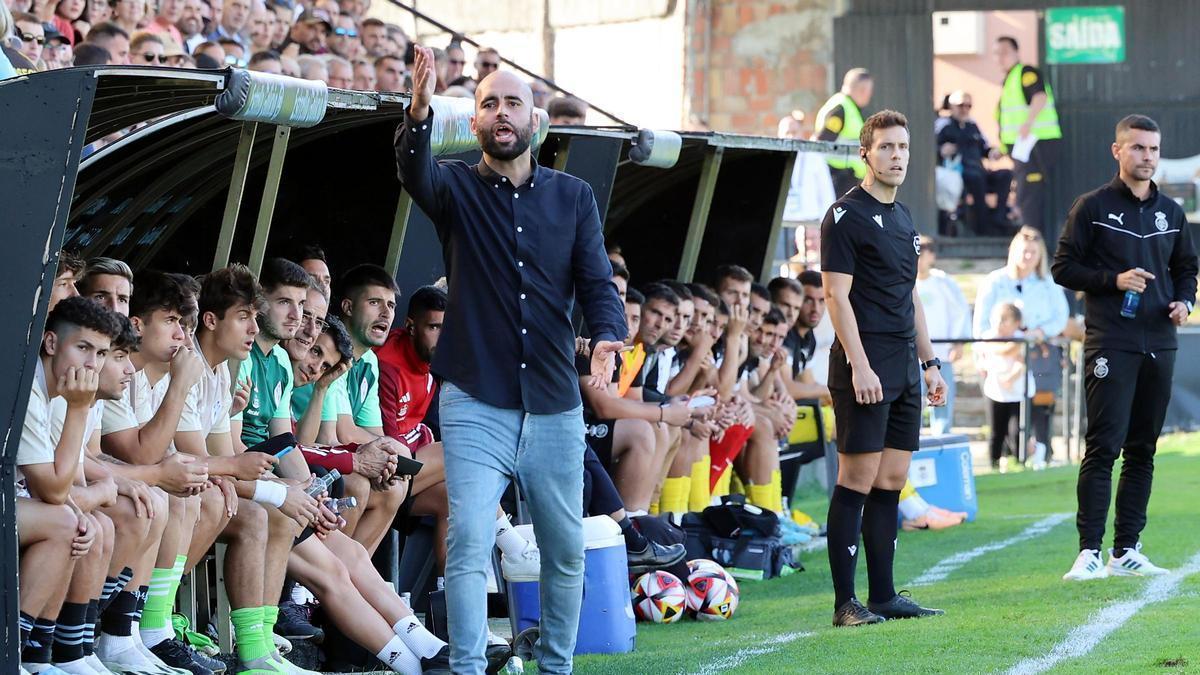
{"x": 721, "y": 488}
{"x": 698, "y": 497}
{"x": 653, "y": 510}
{"x": 777, "y": 490}
{"x": 759, "y": 495}
{"x": 908, "y": 490}
{"x": 736, "y": 487}
{"x": 685, "y": 489}
{"x": 672, "y": 495}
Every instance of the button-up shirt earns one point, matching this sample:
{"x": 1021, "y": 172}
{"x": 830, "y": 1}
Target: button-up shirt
{"x": 517, "y": 258}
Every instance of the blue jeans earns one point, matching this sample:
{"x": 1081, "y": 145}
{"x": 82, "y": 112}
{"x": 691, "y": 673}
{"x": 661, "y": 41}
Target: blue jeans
{"x": 485, "y": 447}
{"x": 941, "y": 418}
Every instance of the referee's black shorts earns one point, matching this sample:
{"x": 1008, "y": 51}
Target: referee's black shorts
{"x": 894, "y": 423}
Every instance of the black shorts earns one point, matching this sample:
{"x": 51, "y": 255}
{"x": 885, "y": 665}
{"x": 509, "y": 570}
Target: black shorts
{"x": 894, "y": 423}
{"x": 599, "y": 437}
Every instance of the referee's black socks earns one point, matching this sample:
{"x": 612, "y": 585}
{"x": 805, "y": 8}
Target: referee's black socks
{"x": 842, "y": 529}
{"x": 880, "y": 522}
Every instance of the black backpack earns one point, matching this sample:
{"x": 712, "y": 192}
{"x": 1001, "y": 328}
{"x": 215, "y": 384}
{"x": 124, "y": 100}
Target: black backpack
{"x": 742, "y": 538}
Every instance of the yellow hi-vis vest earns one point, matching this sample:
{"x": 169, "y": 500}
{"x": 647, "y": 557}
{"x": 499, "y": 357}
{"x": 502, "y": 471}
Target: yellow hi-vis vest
{"x": 851, "y": 125}
{"x": 1014, "y": 110}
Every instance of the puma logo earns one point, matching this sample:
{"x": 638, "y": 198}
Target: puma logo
{"x": 1119, "y": 217}
{"x": 838, "y": 212}
{"x": 853, "y": 550}
{"x": 878, "y": 220}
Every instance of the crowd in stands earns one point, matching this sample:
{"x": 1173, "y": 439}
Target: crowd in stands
{"x": 158, "y": 425}
{"x": 335, "y": 42}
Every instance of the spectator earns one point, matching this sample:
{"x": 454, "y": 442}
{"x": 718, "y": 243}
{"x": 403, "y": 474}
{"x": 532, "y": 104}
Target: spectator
{"x": 312, "y": 68}
{"x": 56, "y": 53}
{"x": 364, "y": 75}
{"x": 439, "y": 68}
{"x": 266, "y": 62}
{"x": 948, "y": 316}
{"x": 260, "y": 29}
{"x": 169, "y": 13}
{"x": 389, "y": 74}
{"x": 487, "y": 61}
{"x": 343, "y": 41}
{"x": 235, "y": 52}
{"x": 960, "y": 141}
{"x": 113, "y": 38}
{"x": 401, "y": 44}
{"x": 456, "y": 60}
{"x": 355, "y": 8}
{"x": 147, "y": 49}
{"x": 290, "y": 67}
{"x": 308, "y": 35}
{"x": 90, "y": 54}
{"x": 542, "y": 93}
{"x": 97, "y": 12}
{"x": 1002, "y": 367}
{"x": 567, "y": 110}
{"x": 811, "y": 191}
{"x": 374, "y": 34}
{"x": 283, "y": 23}
{"x": 31, "y": 34}
{"x": 212, "y": 53}
{"x": 234, "y": 15}
{"x": 66, "y": 13}
{"x": 191, "y": 24}
{"x": 176, "y": 57}
{"x": 1026, "y": 282}
{"x": 339, "y": 73}
{"x": 129, "y": 15}
{"x": 466, "y": 83}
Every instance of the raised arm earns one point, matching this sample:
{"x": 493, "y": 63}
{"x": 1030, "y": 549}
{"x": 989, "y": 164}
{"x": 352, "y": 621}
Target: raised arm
{"x": 417, "y": 168}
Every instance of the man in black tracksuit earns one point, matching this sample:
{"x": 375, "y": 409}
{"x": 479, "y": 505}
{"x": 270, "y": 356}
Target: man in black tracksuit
{"x": 1125, "y": 236}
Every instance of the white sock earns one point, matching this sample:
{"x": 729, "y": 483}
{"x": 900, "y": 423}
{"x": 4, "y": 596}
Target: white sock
{"x": 153, "y": 636}
{"x": 507, "y": 539}
{"x": 399, "y": 658}
{"x": 913, "y": 507}
{"x": 109, "y": 646}
{"x": 423, "y": 643}
{"x": 637, "y": 513}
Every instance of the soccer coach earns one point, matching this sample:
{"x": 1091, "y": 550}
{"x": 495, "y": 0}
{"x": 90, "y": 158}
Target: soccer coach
{"x": 1125, "y": 239}
{"x": 521, "y": 243}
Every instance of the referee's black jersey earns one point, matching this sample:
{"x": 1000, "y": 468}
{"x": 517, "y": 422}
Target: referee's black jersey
{"x": 877, "y": 244}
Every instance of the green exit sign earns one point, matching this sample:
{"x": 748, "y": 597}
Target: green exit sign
{"x": 1085, "y": 34}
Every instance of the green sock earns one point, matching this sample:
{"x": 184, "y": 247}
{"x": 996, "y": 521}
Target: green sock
{"x": 164, "y": 583}
{"x": 248, "y": 631}
{"x": 270, "y": 616}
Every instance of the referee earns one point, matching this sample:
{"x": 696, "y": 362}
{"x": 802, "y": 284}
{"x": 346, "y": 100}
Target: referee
{"x": 869, "y": 251}
{"x": 1125, "y": 242}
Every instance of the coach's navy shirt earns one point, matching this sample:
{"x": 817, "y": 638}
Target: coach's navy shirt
{"x": 517, "y": 258}
{"x": 878, "y": 245}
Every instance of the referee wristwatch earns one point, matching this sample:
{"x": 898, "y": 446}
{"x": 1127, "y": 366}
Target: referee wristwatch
{"x": 931, "y": 363}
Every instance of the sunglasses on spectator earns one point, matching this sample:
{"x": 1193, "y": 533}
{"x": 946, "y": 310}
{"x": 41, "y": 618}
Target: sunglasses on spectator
{"x": 30, "y": 37}
{"x": 345, "y": 32}
{"x": 151, "y": 58}
{"x": 489, "y": 64}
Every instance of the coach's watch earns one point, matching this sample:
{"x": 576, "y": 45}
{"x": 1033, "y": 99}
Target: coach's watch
{"x": 932, "y": 363}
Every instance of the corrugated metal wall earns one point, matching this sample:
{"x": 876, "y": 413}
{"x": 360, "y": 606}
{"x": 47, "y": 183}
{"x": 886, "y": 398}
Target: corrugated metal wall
{"x": 1160, "y": 77}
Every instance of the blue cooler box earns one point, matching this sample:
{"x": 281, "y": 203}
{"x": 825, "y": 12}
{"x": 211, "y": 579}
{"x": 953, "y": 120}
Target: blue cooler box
{"x": 606, "y": 624}
{"x": 942, "y": 472}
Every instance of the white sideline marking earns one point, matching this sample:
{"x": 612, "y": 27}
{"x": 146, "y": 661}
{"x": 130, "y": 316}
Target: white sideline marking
{"x": 1083, "y": 639}
{"x": 769, "y": 646}
{"x": 943, "y": 568}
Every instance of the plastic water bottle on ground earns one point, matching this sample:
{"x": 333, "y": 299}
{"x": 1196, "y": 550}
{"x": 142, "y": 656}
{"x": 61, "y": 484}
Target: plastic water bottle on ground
{"x": 515, "y": 666}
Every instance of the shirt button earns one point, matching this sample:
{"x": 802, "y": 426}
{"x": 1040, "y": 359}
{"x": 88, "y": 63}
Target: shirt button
{"x": 520, "y": 229}
{"x": 524, "y": 332}
{"x": 424, "y": 126}
{"x": 503, "y": 179}
{"x": 522, "y": 296}
{"x": 522, "y": 366}
{"x": 516, "y": 196}
{"x": 412, "y": 152}
{"x": 520, "y": 264}
{"x": 495, "y": 185}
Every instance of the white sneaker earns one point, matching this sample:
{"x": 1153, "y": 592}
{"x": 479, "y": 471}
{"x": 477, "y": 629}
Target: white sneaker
{"x": 78, "y": 667}
{"x": 525, "y": 567}
{"x": 1039, "y": 457}
{"x": 42, "y": 669}
{"x": 494, "y": 639}
{"x": 1133, "y": 564}
{"x": 1089, "y": 565}
{"x": 282, "y": 644}
{"x": 121, "y": 655}
{"x": 158, "y": 664}
{"x": 97, "y": 665}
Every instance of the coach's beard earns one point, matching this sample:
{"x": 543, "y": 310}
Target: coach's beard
{"x": 522, "y": 136}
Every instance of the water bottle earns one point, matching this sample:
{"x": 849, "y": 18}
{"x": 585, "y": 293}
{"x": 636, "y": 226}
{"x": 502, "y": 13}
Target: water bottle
{"x": 338, "y": 505}
{"x": 1132, "y": 299}
{"x": 515, "y": 666}
{"x": 322, "y": 484}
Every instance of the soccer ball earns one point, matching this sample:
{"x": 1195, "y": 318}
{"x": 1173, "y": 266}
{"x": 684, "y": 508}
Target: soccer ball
{"x": 712, "y": 594}
{"x": 659, "y": 597}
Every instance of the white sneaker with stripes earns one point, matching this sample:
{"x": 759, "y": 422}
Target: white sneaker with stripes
{"x": 1089, "y": 565}
{"x": 1133, "y": 564}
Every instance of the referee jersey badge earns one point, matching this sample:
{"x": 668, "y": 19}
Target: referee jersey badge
{"x": 1160, "y": 221}
{"x": 1101, "y": 369}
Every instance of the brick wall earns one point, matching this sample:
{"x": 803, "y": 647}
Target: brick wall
{"x": 749, "y": 62}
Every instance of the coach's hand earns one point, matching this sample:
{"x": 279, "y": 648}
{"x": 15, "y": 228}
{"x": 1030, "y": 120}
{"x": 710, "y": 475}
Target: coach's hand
{"x": 1133, "y": 280}
{"x": 1179, "y": 313}
{"x": 936, "y": 387}
{"x": 604, "y": 362}
{"x": 424, "y": 81}
{"x": 867, "y": 388}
